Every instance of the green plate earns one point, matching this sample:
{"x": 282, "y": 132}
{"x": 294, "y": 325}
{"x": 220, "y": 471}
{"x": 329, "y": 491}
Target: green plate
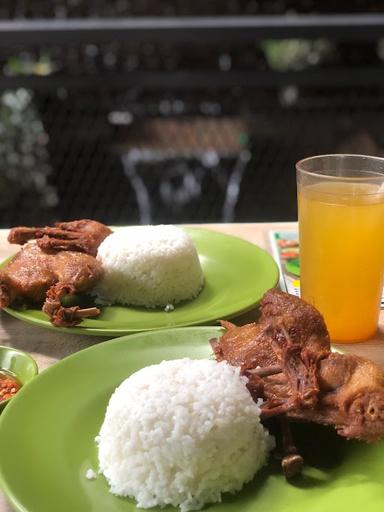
{"x": 47, "y": 440}
{"x": 237, "y": 274}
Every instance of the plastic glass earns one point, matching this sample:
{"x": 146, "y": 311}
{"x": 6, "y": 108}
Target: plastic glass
{"x": 341, "y": 230}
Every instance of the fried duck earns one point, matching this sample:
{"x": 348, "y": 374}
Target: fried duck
{"x": 60, "y": 263}
{"x": 287, "y": 359}
{"x": 78, "y": 235}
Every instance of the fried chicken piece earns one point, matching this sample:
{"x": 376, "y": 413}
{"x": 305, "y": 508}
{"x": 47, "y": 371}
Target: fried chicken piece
{"x": 79, "y": 235}
{"x": 35, "y": 277}
{"x": 289, "y": 364}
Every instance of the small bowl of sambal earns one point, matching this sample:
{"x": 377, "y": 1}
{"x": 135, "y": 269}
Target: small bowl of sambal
{"x": 17, "y": 368}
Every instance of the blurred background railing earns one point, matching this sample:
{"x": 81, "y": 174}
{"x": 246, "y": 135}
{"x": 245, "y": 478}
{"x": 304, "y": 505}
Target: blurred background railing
{"x": 134, "y": 111}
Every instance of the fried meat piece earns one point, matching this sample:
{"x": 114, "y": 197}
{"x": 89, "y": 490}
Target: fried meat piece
{"x": 35, "y": 277}
{"x": 79, "y": 235}
{"x": 288, "y": 361}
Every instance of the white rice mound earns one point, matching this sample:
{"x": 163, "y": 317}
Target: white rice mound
{"x": 150, "y": 266}
{"x": 181, "y": 433}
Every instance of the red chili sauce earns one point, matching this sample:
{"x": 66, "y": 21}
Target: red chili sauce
{"x": 9, "y": 385}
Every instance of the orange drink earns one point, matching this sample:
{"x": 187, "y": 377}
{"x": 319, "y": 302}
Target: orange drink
{"x": 341, "y": 229}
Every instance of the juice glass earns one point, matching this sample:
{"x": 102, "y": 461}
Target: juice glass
{"x": 341, "y": 231}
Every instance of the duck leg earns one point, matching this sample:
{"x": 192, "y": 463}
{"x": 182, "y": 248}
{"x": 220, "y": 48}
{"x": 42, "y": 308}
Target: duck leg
{"x": 292, "y": 462}
{"x": 62, "y": 316}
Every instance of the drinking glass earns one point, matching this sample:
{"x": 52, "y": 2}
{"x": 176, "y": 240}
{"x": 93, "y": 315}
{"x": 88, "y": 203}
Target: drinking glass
{"x": 341, "y": 231}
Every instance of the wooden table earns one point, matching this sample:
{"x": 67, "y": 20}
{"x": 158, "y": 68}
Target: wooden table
{"x": 48, "y": 347}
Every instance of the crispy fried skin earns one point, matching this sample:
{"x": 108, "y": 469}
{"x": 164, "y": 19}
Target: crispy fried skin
{"x": 289, "y": 364}
{"x": 352, "y": 397}
{"x": 79, "y": 235}
{"x": 291, "y": 335}
{"x": 33, "y": 276}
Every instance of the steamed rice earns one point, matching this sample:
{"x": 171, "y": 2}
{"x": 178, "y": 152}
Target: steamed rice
{"x": 181, "y": 433}
{"x": 150, "y": 266}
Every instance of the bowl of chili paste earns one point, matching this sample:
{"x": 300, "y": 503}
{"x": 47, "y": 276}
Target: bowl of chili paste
{"x": 17, "y": 368}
